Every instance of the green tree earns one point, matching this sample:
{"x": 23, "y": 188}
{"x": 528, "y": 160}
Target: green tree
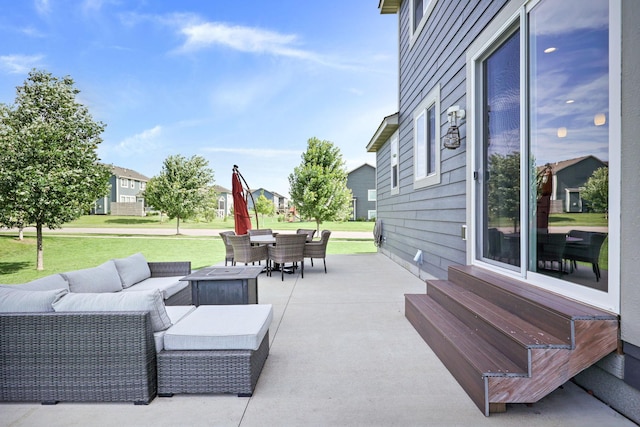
{"x": 264, "y": 206}
{"x": 183, "y": 188}
{"x": 318, "y": 186}
{"x": 504, "y": 188}
{"x": 596, "y": 190}
{"x": 49, "y": 169}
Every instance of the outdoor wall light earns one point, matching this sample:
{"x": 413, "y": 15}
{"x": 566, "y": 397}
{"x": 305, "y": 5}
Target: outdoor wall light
{"x": 451, "y": 139}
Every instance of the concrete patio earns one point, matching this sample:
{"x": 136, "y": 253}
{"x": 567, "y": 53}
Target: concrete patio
{"x": 342, "y": 354}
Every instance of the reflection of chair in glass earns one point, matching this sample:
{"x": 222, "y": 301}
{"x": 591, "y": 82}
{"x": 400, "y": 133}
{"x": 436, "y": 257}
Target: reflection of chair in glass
{"x": 227, "y": 246}
{"x": 496, "y": 238}
{"x": 585, "y": 250}
{"x": 244, "y": 252}
{"x": 551, "y": 249}
{"x": 308, "y": 231}
{"x": 288, "y": 248}
{"x": 318, "y": 249}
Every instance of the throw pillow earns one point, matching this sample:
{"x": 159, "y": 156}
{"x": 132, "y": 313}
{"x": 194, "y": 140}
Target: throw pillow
{"x": 103, "y": 278}
{"x": 22, "y": 301}
{"x": 150, "y": 301}
{"x": 55, "y": 281}
{"x": 132, "y": 269}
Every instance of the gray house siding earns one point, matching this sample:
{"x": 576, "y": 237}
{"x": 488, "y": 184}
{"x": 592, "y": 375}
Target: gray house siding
{"x": 360, "y": 181}
{"x": 431, "y": 218}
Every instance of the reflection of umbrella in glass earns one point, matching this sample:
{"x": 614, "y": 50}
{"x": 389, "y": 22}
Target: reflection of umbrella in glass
{"x": 240, "y": 211}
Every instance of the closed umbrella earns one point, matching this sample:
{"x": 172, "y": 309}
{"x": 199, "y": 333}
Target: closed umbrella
{"x": 240, "y": 211}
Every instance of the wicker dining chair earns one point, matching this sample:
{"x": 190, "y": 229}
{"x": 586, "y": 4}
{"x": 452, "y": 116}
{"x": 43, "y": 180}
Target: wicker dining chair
{"x": 261, "y": 231}
{"x": 308, "y": 231}
{"x": 228, "y": 257}
{"x": 244, "y": 252}
{"x": 318, "y": 249}
{"x": 288, "y": 248}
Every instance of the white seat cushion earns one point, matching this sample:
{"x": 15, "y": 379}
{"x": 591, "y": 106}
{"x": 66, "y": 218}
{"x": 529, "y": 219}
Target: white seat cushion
{"x": 168, "y": 286}
{"x": 175, "y": 313}
{"x": 221, "y": 327}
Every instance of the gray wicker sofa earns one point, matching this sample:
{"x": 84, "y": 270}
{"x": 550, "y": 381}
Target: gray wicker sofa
{"x": 79, "y": 356}
{"x": 68, "y": 338}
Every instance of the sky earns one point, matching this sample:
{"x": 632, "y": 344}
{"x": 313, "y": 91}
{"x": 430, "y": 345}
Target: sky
{"x": 245, "y": 83}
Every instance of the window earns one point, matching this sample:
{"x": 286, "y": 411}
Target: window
{"x": 426, "y": 135}
{"x": 371, "y": 214}
{"x": 420, "y": 11}
{"x": 371, "y": 195}
{"x": 541, "y": 78}
{"x": 394, "y": 160}
{"x": 143, "y": 185}
{"x": 124, "y": 182}
{"x": 127, "y": 199}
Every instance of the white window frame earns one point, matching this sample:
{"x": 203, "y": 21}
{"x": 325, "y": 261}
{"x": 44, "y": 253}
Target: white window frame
{"x": 515, "y": 11}
{"x": 143, "y": 185}
{"x": 421, "y": 148}
{"x": 371, "y": 195}
{"x": 427, "y": 8}
{"x": 394, "y": 160}
{"x": 124, "y": 183}
{"x": 371, "y": 214}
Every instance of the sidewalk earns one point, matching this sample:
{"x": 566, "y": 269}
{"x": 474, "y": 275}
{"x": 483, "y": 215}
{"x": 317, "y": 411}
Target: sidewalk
{"x": 172, "y": 232}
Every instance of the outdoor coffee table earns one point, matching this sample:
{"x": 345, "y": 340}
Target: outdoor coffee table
{"x": 224, "y": 285}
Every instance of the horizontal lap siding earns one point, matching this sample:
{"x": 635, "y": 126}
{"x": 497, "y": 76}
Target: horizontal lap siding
{"x": 430, "y": 219}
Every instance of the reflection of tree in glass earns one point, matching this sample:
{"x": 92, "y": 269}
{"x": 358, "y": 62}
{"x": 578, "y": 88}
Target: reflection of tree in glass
{"x": 596, "y": 190}
{"x": 504, "y": 188}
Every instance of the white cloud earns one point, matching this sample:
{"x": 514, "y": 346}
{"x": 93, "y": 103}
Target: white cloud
{"x": 19, "y": 64}
{"x": 141, "y": 142}
{"x": 43, "y": 7}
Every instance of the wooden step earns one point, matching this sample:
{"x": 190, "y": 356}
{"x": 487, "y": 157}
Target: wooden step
{"x": 506, "y": 341}
{"x": 512, "y": 335}
{"x": 548, "y": 311}
{"x": 468, "y": 357}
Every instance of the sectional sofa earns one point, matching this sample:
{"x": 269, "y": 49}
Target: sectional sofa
{"x": 114, "y": 332}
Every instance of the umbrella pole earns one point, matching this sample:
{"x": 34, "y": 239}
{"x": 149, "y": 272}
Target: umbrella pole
{"x": 235, "y": 169}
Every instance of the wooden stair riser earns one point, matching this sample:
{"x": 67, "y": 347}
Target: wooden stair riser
{"x": 554, "y": 323}
{"x": 463, "y": 372}
{"x": 513, "y": 349}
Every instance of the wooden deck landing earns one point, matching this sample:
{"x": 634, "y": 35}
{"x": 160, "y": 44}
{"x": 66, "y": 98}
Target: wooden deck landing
{"x": 506, "y": 341}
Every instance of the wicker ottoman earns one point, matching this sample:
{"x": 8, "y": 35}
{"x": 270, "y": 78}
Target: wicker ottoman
{"x": 215, "y": 349}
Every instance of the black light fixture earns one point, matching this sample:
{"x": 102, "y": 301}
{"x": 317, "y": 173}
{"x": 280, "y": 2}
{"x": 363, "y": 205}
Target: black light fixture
{"x": 451, "y": 139}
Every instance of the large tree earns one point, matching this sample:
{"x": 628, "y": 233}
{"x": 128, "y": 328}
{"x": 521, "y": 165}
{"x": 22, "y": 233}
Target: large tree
{"x": 49, "y": 170}
{"x": 183, "y": 187}
{"x": 318, "y": 186}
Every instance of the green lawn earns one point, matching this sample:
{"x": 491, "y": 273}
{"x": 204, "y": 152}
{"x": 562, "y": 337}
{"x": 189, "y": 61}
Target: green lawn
{"x": 106, "y": 221}
{"x": 65, "y": 253}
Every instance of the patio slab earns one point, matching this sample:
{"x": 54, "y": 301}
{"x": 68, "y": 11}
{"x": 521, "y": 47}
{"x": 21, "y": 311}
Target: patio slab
{"x": 342, "y": 354}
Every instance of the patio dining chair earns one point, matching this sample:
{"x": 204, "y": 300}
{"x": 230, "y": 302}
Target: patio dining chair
{"x": 228, "y": 257}
{"x": 318, "y": 249}
{"x": 288, "y": 248}
{"x": 244, "y": 252}
{"x": 260, "y": 231}
{"x": 308, "y": 231}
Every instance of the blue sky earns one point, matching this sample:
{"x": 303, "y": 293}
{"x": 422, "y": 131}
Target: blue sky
{"x": 244, "y": 83}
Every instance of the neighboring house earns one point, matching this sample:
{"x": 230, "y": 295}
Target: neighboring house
{"x": 362, "y": 183}
{"x": 568, "y": 177}
{"x": 524, "y": 84}
{"x": 281, "y": 203}
{"x": 270, "y": 195}
{"x": 225, "y": 201}
{"x": 125, "y": 194}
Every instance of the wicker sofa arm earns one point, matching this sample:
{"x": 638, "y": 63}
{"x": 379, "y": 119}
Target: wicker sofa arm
{"x": 169, "y": 269}
{"x": 77, "y": 357}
